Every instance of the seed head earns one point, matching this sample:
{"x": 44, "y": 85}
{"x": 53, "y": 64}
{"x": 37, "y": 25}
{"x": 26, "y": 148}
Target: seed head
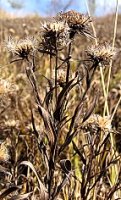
{"x": 77, "y": 22}
{"x": 54, "y": 36}
{"x": 22, "y": 48}
{"x": 102, "y": 54}
{"x": 104, "y": 123}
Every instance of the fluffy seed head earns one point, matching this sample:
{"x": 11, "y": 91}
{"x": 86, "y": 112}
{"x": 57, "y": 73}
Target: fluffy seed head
{"x": 22, "y": 48}
{"x": 104, "y": 123}
{"x": 77, "y": 22}
{"x": 54, "y": 36}
{"x": 101, "y": 53}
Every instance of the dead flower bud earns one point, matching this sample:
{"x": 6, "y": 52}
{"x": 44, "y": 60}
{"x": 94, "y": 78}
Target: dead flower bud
{"x": 77, "y": 22}
{"x": 54, "y": 36}
{"x": 22, "y": 48}
{"x": 101, "y": 54}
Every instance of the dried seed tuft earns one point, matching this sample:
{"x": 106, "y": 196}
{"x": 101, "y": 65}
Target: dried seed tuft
{"x": 102, "y": 54}
{"x": 22, "y": 48}
{"x": 77, "y": 22}
{"x": 54, "y": 36}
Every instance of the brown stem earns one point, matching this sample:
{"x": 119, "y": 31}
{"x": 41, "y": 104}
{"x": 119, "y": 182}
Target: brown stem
{"x": 68, "y": 64}
{"x": 51, "y": 70}
{"x": 56, "y": 69}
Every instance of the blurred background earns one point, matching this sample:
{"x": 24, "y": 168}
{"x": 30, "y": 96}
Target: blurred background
{"x": 50, "y": 7}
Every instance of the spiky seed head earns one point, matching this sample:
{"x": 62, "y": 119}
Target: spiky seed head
{"x": 104, "y": 123}
{"x": 22, "y": 48}
{"x": 101, "y": 53}
{"x": 77, "y": 22}
{"x": 53, "y": 36}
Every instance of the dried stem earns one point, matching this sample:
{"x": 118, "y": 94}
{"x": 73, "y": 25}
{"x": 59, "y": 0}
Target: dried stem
{"x": 114, "y": 38}
{"x": 68, "y": 64}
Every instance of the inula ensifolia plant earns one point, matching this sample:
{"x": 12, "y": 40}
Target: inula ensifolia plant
{"x": 54, "y": 36}
{"x": 63, "y": 121}
{"x": 77, "y": 22}
{"x": 22, "y": 48}
{"x": 101, "y": 53}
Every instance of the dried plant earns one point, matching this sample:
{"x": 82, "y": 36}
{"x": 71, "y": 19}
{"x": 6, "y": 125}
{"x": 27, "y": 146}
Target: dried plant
{"x": 77, "y": 22}
{"x": 22, "y": 48}
{"x": 54, "y": 36}
{"x": 66, "y": 150}
{"x": 102, "y": 54}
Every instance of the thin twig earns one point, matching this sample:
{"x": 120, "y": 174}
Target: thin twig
{"x": 96, "y": 42}
{"x": 113, "y": 43}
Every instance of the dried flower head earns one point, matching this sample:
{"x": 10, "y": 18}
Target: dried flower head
{"x": 54, "y": 36}
{"x": 97, "y": 121}
{"x": 102, "y": 54}
{"x": 77, "y": 22}
{"x": 22, "y": 48}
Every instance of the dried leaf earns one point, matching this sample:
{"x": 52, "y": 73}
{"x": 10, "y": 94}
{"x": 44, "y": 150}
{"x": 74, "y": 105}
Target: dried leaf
{"x": 8, "y": 191}
{"x": 79, "y": 153}
{"x": 43, "y": 190}
{"x": 21, "y": 196}
{"x": 65, "y": 165}
{"x": 61, "y": 100}
{"x": 5, "y": 170}
{"x": 89, "y": 112}
{"x": 48, "y": 123}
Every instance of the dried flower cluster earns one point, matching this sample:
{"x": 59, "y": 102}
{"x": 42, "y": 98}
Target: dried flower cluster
{"x": 22, "y": 48}
{"x": 54, "y": 36}
{"x": 77, "y": 22}
{"x": 101, "y": 53}
{"x": 57, "y": 126}
{"x": 96, "y": 121}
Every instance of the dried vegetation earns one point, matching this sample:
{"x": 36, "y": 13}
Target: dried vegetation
{"x": 56, "y": 143}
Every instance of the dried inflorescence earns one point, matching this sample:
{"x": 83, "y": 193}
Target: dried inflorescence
{"x": 96, "y": 121}
{"x": 77, "y": 22}
{"x": 22, "y": 48}
{"x": 101, "y": 53}
{"x": 54, "y": 36}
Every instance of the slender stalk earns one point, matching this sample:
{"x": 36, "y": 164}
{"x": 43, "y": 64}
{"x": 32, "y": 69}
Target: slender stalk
{"x": 56, "y": 75}
{"x": 104, "y": 89}
{"x": 116, "y": 107}
{"x": 114, "y": 38}
{"x": 92, "y": 24}
{"x": 95, "y": 65}
{"x": 68, "y": 64}
{"x": 51, "y": 70}
{"x": 96, "y": 42}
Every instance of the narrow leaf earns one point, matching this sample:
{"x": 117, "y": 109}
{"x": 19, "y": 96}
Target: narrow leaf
{"x": 8, "y": 191}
